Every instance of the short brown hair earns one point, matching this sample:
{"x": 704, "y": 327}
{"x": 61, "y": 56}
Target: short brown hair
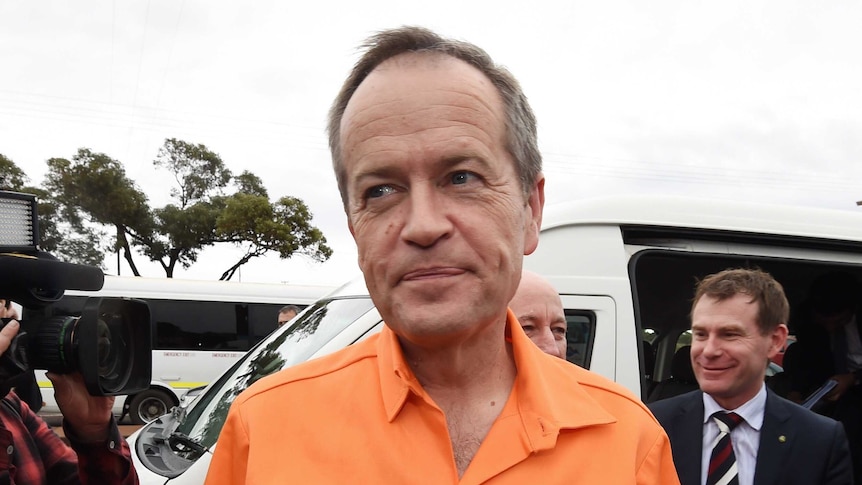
{"x": 773, "y": 308}
{"x": 521, "y": 137}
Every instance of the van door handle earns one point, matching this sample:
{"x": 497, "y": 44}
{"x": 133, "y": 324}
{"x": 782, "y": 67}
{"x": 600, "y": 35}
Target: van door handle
{"x": 170, "y": 378}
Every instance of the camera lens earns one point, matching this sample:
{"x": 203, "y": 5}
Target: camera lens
{"x": 113, "y": 352}
{"x": 103, "y": 347}
{"x": 51, "y": 344}
{"x": 58, "y": 344}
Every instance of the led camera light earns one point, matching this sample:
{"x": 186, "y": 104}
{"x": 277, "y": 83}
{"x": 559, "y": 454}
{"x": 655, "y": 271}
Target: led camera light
{"x": 17, "y": 222}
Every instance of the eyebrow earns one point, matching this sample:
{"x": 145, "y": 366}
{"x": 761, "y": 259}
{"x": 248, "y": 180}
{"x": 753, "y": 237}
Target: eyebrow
{"x": 388, "y": 169}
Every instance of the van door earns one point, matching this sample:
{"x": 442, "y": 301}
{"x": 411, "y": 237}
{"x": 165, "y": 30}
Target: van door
{"x": 592, "y": 335}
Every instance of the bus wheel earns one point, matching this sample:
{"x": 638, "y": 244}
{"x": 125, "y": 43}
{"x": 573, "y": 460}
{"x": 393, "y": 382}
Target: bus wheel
{"x": 149, "y": 404}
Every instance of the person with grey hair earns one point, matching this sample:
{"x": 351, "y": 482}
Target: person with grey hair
{"x": 434, "y": 149}
{"x": 286, "y": 314}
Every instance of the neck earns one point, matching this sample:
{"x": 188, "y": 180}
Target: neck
{"x": 480, "y": 361}
{"x": 470, "y": 380}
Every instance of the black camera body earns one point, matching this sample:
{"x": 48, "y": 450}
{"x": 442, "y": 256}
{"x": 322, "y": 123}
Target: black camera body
{"x": 109, "y": 343}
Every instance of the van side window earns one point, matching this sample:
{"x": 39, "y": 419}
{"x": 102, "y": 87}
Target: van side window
{"x": 210, "y": 325}
{"x": 579, "y": 336}
{"x": 198, "y": 324}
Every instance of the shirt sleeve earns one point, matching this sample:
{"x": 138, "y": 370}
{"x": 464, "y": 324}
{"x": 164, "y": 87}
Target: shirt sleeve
{"x": 108, "y": 462}
{"x": 59, "y": 461}
{"x": 658, "y": 467}
{"x": 230, "y": 459}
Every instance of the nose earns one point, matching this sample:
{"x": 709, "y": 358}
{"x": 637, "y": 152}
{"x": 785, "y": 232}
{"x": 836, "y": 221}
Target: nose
{"x": 428, "y": 217}
{"x": 545, "y": 340}
{"x": 710, "y": 347}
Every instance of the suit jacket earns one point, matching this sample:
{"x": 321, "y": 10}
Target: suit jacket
{"x": 797, "y": 446}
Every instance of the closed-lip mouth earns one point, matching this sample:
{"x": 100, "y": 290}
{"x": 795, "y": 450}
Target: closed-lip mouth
{"x": 432, "y": 272}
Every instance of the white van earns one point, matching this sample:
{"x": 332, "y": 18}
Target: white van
{"x": 199, "y": 329}
{"x": 625, "y": 269}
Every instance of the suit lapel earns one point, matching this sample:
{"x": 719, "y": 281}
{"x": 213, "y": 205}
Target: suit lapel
{"x": 776, "y": 440}
{"x": 687, "y": 439}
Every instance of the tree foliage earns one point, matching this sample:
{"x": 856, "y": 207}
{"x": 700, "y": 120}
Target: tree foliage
{"x": 93, "y": 189}
{"x": 11, "y": 177}
{"x": 284, "y": 227}
{"x": 199, "y": 172}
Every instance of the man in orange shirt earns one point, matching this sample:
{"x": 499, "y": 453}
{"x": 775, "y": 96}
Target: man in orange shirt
{"x": 539, "y": 310}
{"x": 434, "y": 149}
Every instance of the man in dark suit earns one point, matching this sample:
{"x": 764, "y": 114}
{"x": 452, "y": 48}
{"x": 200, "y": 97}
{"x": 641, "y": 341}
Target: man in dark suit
{"x": 733, "y": 430}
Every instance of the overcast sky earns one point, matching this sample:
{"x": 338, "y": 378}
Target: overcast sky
{"x": 733, "y": 99}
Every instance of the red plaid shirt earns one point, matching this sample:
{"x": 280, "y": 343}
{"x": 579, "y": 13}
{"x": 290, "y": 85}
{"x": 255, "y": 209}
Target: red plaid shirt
{"x": 31, "y": 453}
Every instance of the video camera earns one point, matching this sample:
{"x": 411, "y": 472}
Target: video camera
{"x": 109, "y": 343}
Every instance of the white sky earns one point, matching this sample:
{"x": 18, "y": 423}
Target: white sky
{"x": 733, "y": 99}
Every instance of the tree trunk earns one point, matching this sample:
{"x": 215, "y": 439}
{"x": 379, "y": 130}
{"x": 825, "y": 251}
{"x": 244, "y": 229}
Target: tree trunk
{"x": 227, "y": 275}
{"x": 172, "y": 263}
{"x": 127, "y": 251}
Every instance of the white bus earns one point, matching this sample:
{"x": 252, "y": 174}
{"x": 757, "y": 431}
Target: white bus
{"x": 199, "y": 329}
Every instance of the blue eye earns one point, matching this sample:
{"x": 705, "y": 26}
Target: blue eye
{"x": 378, "y": 191}
{"x": 460, "y": 178}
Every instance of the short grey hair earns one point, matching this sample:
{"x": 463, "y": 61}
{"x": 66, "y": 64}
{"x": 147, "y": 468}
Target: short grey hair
{"x": 521, "y": 136}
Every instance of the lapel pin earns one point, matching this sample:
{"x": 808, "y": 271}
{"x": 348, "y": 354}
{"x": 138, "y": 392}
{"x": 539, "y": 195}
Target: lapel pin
{"x": 782, "y": 439}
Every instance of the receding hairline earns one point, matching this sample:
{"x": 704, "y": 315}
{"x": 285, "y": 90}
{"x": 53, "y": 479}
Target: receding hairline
{"x": 487, "y": 92}
{"x": 520, "y": 121}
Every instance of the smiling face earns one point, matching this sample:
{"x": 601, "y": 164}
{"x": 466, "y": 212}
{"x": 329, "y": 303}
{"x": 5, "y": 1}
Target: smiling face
{"x": 729, "y": 353}
{"x": 539, "y": 310}
{"x": 440, "y": 219}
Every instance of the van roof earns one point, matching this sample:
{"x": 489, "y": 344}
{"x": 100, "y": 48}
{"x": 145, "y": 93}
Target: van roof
{"x": 708, "y": 214}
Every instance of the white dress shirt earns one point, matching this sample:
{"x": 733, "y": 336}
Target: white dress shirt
{"x": 745, "y": 437}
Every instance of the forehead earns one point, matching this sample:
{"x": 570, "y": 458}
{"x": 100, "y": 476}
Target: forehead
{"x": 533, "y": 293}
{"x": 409, "y": 90}
{"x": 738, "y": 310}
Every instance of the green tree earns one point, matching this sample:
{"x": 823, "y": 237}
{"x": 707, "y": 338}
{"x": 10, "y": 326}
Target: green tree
{"x": 284, "y": 227}
{"x": 204, "y": 215}
{"x": 11, "y": 177}
{"x": 94, "y": 188}
{"x": 183, "y": 229}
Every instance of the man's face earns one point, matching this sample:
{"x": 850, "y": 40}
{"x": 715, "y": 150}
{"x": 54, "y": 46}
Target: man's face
{"x": 728, "y": 352}
{"x": 440, "y": 219}
{"x": 285, "y": 317}
{"x": 540, "y": 312}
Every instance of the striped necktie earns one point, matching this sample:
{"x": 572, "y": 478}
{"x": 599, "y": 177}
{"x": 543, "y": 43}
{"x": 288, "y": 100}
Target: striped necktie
{"x": 722, "y": 462}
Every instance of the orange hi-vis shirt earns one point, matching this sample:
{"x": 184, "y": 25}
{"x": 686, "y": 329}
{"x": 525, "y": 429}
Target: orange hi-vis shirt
{"x": 361, "y": 416}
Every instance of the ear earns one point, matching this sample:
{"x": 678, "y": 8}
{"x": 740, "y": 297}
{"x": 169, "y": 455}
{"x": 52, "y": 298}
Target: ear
{"x": 533, "y": 224}
{"x": 778, "y": 338}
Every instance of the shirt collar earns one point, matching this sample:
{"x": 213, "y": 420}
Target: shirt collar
{"x": 549, "y": 394}
{"x": 752, "y": 411}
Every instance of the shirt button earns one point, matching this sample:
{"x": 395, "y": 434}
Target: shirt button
{"x": 111, "y": 445}
{"x": 9, "y": 450}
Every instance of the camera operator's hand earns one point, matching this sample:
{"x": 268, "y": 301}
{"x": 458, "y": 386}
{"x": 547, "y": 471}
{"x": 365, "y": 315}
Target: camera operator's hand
{"x": 7, "y": 334}
{"x": 88, "y": 416}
